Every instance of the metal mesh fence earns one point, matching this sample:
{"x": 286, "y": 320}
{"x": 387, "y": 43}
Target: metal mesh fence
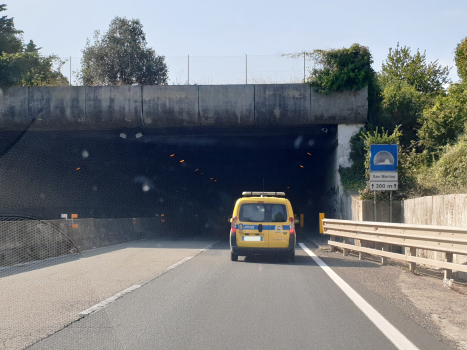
{"x": 32, "y": 282}
{"x": 23, "y": 239}
{"x": 221, "y": 70}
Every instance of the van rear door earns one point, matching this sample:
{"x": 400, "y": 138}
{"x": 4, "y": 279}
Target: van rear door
{"x": 279, "y": 232}
{"x": 252, "y": 224}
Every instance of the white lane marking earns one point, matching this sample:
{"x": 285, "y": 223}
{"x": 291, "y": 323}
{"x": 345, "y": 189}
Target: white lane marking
{"x": 209, "y": 246}
{"x": 391, "y": 332}
{"x": 180, "y": 262}
{"x": 108, "y": 301}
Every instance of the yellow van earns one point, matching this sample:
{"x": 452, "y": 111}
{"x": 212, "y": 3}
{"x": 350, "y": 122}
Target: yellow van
{"x": 262, "y": 223}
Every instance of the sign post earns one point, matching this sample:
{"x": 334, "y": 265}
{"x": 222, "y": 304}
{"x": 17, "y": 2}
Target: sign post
{"x": 383, "y": 171}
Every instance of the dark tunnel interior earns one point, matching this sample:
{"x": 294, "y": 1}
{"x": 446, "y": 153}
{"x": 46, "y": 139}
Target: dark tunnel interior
{"x": 192, "y": 175}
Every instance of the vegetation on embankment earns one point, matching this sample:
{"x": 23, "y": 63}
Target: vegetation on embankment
{"x": 412, "y": 103}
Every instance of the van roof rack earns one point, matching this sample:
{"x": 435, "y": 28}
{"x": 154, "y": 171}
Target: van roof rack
{"x": 263, "y": 194}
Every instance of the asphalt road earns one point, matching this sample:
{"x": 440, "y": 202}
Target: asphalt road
{"x": 209, "y": 302}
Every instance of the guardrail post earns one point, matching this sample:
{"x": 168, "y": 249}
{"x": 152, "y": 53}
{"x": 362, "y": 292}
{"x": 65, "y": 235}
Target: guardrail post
{"x": 345, "y": 250}
{"x": 385, "y": 248}
{"x": 361, "y": 256}
{"x": 412, "y": 265}
{"x": 447, "y": 272}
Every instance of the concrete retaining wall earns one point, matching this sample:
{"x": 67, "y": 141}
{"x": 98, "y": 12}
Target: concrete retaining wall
{"x": 114, "y": 107}
{"x": 363, "y": 210}
{"x": 22, "y": 241}
{"x": 94, "y": 233}
{"x": 447, "y": 210}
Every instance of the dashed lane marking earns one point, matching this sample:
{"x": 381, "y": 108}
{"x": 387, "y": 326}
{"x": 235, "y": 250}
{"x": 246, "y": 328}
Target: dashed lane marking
{"x": 180, "y": 262}
{"x": 108, "y": 301}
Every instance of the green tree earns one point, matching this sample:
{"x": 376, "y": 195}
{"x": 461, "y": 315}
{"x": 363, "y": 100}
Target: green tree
{"x": 446, "y": 120}
{"x": 31, "y": 47}
{"x": 401, "y": 65}
{"x": 121, "y": 57}
{"x": 460, "y": 57}
{"x": 10, "y": 38}
{"x": 22, "y": 65}
{"x": 402, "y": 106}
{"x": 31, "y": 69}
{"x": 409, "y": 84}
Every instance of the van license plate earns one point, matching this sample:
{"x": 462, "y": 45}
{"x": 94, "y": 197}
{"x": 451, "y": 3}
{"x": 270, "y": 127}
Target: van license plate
{"x": 252, "y": 238}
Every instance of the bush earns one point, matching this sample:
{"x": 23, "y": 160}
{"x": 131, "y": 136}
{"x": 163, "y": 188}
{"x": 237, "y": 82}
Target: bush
{"x": 448, "y": 174}
{"x": 341, "y": 69}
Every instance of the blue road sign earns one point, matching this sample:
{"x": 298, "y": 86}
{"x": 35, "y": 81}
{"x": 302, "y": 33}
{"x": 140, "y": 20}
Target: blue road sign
{"x": 383, "y": 158}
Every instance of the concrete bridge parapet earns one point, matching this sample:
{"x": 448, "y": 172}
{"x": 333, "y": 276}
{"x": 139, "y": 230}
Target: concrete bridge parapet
{"x": 114, "y": 107}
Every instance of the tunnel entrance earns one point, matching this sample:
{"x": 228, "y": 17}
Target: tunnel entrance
{"x": 191, "y": 175}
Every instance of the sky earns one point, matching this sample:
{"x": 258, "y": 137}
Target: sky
{"x": 249, "y": 27}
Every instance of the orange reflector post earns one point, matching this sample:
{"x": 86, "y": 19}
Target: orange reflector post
{"x": 302, "y": 220}
{"x": 75, "y": 226}
{"x": 74, "y": 216}
{"x": 321, "y": 217}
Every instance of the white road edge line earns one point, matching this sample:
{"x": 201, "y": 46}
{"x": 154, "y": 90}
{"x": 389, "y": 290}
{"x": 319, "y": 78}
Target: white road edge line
{"x": 391, "y": 332}
{"x": 108, "y": 301}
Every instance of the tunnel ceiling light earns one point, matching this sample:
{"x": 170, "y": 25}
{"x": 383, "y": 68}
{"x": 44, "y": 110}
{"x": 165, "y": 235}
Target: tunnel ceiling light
{"x": 182, "y": 160}
{"x": 172, "y": 155}
{"x": 196, "y": 169}
{"x": 78, "y": 168}
{"x": 308, "y": 153}
{"x": 301, "y": 166}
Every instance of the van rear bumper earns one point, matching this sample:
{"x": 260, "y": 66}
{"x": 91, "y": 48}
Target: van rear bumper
{"x": 244, "y": 251}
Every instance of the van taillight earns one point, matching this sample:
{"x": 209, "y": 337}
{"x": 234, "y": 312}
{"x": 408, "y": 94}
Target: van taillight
{"x": 292, "y": 226}
{"x": 233, "y": 229}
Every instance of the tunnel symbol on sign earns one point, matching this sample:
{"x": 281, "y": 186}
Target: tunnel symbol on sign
{"x": 383, "y": 158}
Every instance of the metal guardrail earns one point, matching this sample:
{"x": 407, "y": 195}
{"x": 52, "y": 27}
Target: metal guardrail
{"x": 448, "y": 239}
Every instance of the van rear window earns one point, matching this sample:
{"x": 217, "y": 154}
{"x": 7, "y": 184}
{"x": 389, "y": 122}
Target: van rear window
{"x": 256, "y": 212}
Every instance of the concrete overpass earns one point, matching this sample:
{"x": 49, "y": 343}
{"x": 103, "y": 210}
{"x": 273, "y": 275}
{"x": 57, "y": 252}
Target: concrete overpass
{"x": 113, "y": 107}
{"x": 105, "y": 151}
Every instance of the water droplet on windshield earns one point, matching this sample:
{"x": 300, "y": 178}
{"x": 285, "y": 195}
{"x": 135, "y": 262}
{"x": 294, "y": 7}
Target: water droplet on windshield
{"x": 298, "y": 141}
